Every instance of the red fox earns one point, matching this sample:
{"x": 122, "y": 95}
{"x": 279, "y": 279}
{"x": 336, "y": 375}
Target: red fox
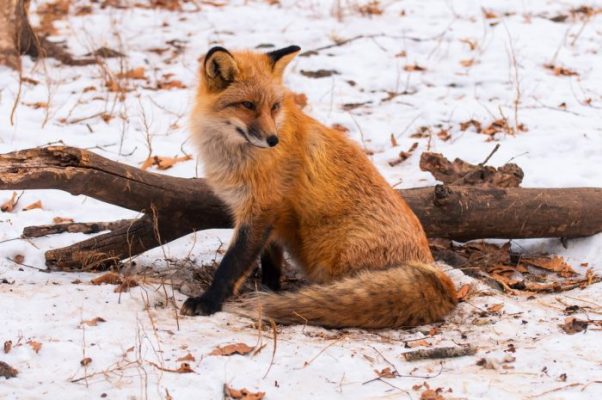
{"x": 292, "y": 183}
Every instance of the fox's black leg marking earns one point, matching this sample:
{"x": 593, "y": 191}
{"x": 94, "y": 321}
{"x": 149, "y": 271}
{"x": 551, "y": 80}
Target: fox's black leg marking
{"x": 237, "y": 261}
{"x": 271, "y": 266}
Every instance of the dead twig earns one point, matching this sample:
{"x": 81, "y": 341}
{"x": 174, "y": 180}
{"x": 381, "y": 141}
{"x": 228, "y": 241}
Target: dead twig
{"x": 440, "y": 352}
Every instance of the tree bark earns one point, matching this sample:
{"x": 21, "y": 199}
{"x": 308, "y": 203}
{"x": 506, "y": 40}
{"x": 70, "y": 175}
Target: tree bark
{"x": 9, "y": 28}
{"x": 18, "y": 37}
{"x": 174, "y": 207}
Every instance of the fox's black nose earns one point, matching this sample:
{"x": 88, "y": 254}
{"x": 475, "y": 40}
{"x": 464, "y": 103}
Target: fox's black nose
{"x": 272, "y": 140}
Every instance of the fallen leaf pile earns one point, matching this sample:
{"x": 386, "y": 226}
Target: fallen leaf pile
{"x": 542, "y": 273}
{"x": 582, "y": 13}
{"x": 500, "y": 125}
{"x": 460, "y": 172}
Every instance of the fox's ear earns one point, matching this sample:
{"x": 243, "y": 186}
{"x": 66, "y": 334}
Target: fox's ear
{"x": 280, "y": 58}
{"x": 219, "y": 68}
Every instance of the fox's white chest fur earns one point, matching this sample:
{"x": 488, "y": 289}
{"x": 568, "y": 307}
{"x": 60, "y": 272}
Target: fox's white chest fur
{"x": 222, "y": 163}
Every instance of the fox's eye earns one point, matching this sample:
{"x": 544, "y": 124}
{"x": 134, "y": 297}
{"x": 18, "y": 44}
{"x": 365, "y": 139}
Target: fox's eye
{"x": 275, "y": 107}
{"x": 248, "y": 105}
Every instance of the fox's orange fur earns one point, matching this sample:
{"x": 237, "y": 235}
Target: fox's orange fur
{"x": 316, "y": 194}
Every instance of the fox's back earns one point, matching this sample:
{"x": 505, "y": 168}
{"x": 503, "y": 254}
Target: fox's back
{"x": 341, "y": 202}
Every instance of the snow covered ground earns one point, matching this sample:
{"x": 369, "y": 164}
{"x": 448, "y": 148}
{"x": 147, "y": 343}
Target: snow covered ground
{"x": 418, "y": 64}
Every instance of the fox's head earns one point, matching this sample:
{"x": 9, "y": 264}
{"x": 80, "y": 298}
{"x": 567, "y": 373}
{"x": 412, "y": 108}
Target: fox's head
{"x": 240, "y": 95}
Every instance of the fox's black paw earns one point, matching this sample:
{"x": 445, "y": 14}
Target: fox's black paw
{"x": 200, "y": 306}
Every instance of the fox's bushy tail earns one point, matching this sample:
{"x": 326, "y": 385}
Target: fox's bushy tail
{"x": 405, "y": 296}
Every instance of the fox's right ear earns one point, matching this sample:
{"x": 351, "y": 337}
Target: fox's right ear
{"x": 219, "y": 68}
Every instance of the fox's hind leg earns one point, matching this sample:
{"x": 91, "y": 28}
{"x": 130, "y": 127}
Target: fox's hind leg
{"x": 271, "y": 266}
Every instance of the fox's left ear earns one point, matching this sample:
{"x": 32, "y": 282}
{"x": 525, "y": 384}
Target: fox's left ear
{"x": 219, "y": 68}
{"x": 280, "y": 58}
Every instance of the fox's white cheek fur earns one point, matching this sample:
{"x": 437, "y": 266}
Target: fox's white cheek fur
{"x": 280, "y": 117}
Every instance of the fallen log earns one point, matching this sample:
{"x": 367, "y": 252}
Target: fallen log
{"x": 174, "y": 207}
{"x": 72, "y": 227}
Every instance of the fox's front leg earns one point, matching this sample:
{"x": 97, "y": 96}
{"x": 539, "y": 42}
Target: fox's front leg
{"x": 241, "y": 256}
{"x": 271, "y": 266}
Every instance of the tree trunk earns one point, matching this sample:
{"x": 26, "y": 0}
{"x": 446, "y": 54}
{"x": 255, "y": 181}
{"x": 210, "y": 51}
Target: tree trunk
{"x": 16, "y": 34}
{"x": 174, "y": 207}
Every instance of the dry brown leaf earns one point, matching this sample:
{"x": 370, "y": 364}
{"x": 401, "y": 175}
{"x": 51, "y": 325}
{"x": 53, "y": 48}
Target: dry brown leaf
{"x": 163, "y": 163}
{"x": 340, "y": 128}
{"x": 170, "y": 5}
{"x": 49, "y": 13}
{"x": 414, "y": 68}
{"x": 147, "y": 163}
{"x": 85, "y": 361}
{"x": 8, "y": 345}
{"x": 393, "y": 141}
{"x": 573, "y": 325}
{"x": 110, "y": 278}
{"x": 434, "y": 331}
{"x": 62, "y": 220}
{"x": 386, "y": 373}
{"x": 94, "y": 321}
{"x": 444, "y": 135}
{"x": 10, "y": 204}
{"x": 554, "y": 264}
{"x": 168, "y": 85}
{"x": 560, "y": 71}
{"x": 472, "y": 44}
{"x": 467, "y": 63}
{"x": 229, "y": 349}
{"x": 34, "y": 205}
{"x": 431, "y": 394}
{"x": 488, "y": 14}
{"x": 300, "y": 99}
{"x": 495, "y": 308}
{"x": 464, "y": 292}
{"x": 184, "y": 368}
{"x": 37, "y": 105}
{"x": 114, "y": 86}
{"x": 187, "y": 357}
{"x": 242, "y": 394}
{"x": 136, "y": 73}
{"x": 35, "y": 345}
{"x": 417, "y": 343}
{"x": 371, "y": 8}
{"x": 404, "y": 155}
{"x": 471, "y": 122}
{"x": 7, "y": 371}
{"x": 126, "y": 285}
